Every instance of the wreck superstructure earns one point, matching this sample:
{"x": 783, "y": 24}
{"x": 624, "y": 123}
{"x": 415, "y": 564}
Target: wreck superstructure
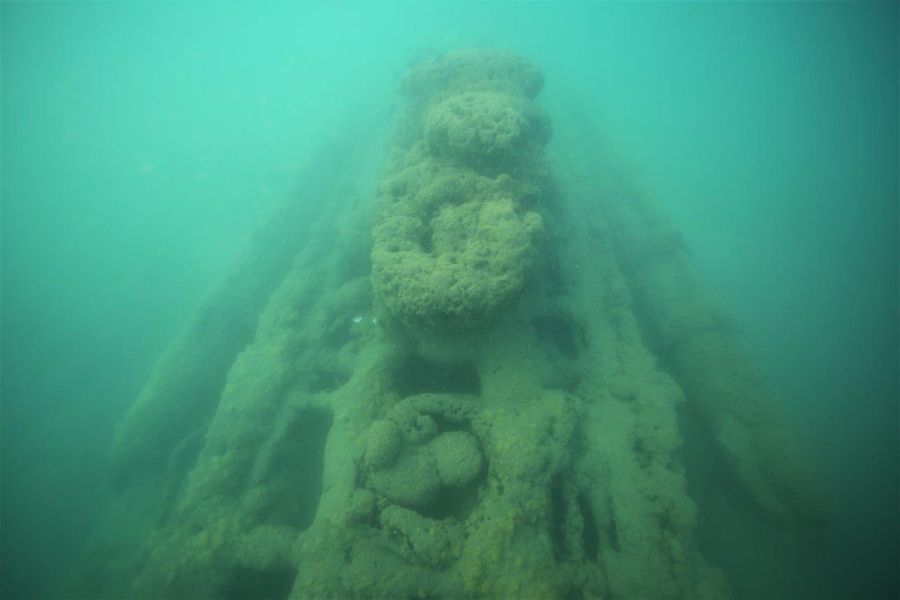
{"x": 463, "y": 384}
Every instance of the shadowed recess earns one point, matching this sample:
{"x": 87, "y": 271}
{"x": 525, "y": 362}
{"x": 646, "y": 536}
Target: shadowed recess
{"x": 259, "y": 584}
{"x": 295, "y": 471}
{"x": 419, "y": 376}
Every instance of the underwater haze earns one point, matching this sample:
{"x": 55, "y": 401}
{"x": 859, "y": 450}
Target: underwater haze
{"x": 145, "y": 146}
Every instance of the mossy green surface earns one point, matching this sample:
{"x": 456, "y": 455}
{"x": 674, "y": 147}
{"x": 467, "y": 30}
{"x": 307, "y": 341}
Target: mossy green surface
{"x": 456, "y": 229}
{"x": 457, "y": 458}
{"x": 485, "y": 127}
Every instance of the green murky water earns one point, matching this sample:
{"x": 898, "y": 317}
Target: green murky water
{"x": 201, "y": 351}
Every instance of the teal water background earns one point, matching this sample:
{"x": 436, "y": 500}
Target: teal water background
{"x": 143, "y": 142}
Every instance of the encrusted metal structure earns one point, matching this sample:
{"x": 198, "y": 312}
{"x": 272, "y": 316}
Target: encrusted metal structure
{"x": 466, "y": 384}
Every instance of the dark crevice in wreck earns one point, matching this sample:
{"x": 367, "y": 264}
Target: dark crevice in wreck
{"x": 417, "y": 375}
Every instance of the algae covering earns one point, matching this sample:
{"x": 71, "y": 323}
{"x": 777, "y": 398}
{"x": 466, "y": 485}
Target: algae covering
{"x": 470, "y": 387}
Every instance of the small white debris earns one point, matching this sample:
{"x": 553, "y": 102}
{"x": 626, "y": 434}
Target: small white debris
{"x": 357, "y": 319}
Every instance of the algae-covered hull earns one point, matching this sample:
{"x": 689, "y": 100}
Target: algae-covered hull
{"x": 454, "y": 372}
